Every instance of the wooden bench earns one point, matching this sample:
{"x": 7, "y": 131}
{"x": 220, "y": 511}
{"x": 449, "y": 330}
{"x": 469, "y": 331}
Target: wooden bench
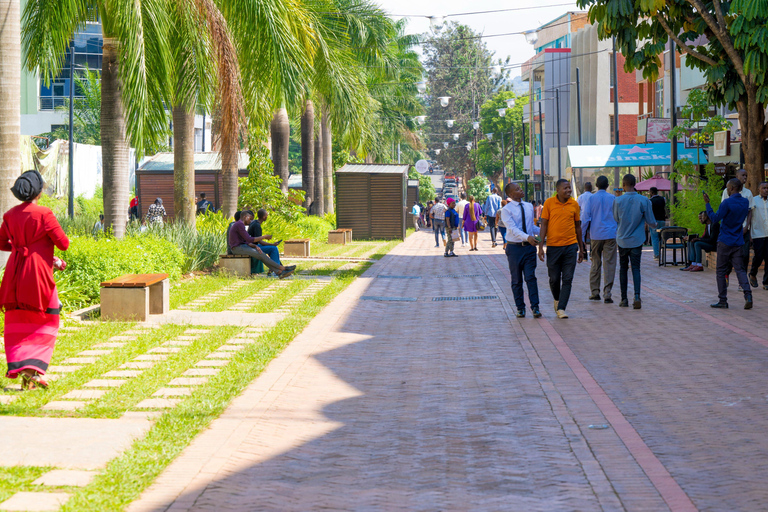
{"x": 298, "y": 247}
{"x": 133, "y": 297}
{"x": 337, "y": 236}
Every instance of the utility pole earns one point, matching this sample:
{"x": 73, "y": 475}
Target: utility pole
{"x": 71, "y": 198}
{"x": 559, "y": 147}
{"x": 615, "y": 109}
{"x": 673, "y": 113}
{"x": 541, "y": 147}
{"x": 578, "y": 104}
{"x": 203, "y": 132}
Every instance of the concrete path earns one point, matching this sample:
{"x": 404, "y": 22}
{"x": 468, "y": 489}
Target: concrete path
{"x": 399, "y": 397}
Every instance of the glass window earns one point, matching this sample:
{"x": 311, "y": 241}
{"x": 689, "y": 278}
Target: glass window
{"x": 660, "y": 97}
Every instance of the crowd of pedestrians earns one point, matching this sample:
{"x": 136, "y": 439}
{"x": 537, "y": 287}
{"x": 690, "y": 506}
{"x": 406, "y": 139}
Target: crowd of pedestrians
{"x": 613, "y": 228}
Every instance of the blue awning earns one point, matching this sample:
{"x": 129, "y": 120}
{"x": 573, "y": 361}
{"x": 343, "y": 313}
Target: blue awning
{"x": 629, "y": 155}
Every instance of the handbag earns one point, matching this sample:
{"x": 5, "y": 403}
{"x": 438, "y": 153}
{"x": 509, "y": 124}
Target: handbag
{"x": 480, "y": 225}
{"x": 455, "y": 235}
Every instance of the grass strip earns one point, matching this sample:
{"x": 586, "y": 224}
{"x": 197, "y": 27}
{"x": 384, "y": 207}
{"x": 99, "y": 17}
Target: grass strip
{"x": 128, "y": 475}
{"x": 183, "y": 292}
{"x": 238, "y": 294}
{"x": 19, "y": 479}
{"x": 280, "y": 296}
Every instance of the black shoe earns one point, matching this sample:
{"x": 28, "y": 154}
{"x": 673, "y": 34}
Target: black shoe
{"x": 453, "y": 255}
{"x": 765, "y": 287}
{"x": 637, "y": 304}
{"x": 608, "y": 300}
{"x": 753, "y": 281}
{"x": 624, "y": 303}
{"x": 446, "y": 255}
{"x": 748, "y": 301}
{"x": 290, "y": 268}
{"x": 536, "y": 312}
{"x": 594, "y": 297}
{"x": 719, "y": 305}
{"x": 520, "y": 313}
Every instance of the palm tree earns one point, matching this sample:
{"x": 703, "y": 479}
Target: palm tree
{"x": 10, "y": 103}
{"x": 319, "y": 208}
{"x": 133, "y": 85}
{"x": 281, "y": 135}
{"x": 308, "y": 152}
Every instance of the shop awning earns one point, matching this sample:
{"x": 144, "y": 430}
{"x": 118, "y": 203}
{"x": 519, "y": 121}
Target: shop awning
{"x": 628, "y": 155}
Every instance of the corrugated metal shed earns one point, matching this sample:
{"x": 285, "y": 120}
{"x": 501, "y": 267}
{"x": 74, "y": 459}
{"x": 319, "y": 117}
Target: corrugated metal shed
{"x": 210, "y": 161}
{"x": 370, "y": 200}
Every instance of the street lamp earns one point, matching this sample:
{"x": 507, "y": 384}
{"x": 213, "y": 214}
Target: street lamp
{"x": 455, "y": 136}
{"x": 496, "y": 70}
{"x": 489, "y": 136}
{"x": 436, "y": 22}
{"x": 449, "y": 123}
{"x": 421, "y": 119}
{"x": 446, "y": 144}
{"x": 510, "y": 102}
{"x": 437, "y": 151}
{"x": 502, "y": 112}
{"x": 469, "y": 146}
{"x": 476, "y": 125}
{"x": 531, "y": 37}
{"x": 444, "y": 100}
{"x": 421, "y": 87}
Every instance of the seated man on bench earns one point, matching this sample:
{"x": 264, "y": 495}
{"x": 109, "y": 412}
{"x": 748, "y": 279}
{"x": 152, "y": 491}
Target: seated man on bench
{"x": 243, "y": 243}
{"x": 705, "y": 243}
{"x": 270, "y": 249}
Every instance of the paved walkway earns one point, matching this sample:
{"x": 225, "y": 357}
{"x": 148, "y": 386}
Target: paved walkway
{"x": 392, "y": 400}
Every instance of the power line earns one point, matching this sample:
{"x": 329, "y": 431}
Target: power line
{"x": 455, "y": 14}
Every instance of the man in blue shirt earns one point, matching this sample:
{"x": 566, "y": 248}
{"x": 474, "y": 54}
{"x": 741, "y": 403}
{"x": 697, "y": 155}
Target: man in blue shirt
{"x": 597, "y": 220}
{"x": 731, "y": 215}
{"x": 416, "y": 211}
{"x": 518, "y": 216}
{"x": 491, "y": 206}
{"x": 631, "y": 212}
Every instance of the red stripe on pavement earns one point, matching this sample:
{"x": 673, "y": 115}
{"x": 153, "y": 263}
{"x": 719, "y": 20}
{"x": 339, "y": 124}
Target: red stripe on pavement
{"x": 665, "y": 484}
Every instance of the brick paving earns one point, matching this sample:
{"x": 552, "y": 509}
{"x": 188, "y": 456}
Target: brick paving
{"x": 417, "y": 404}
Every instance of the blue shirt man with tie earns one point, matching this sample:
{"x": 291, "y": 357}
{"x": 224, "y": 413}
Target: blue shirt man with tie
{"x": 518, "y": 215}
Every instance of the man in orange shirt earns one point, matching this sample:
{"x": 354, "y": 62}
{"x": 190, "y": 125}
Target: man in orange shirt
{"x": 561, "y": 230}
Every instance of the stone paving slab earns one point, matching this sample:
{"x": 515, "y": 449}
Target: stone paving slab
{"x": 123, "y": 373}
{"x": 105, "y": 383}
{"x": 66, "y": 478}
{"x": 78, "y": 443}
{"x": 35, "y": 501}
{"x": 180, "y": 317}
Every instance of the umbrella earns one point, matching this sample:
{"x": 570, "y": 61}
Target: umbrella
{"x": 663, "y": 184}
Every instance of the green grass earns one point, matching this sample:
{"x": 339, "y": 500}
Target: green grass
{"x": 235, "y": 296}
{"x": 185, "y": 291}
{"x": 280, "y": 296}
{"x": 19, "y": 479}
{"x": 128, "y": 475}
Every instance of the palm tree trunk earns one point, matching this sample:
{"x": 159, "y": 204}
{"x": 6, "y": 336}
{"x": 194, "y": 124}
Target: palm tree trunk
{"x": 327, "y": 161}
{"x": 319, "y": 208}
{"x": 281, "y": 132}
{"x": 184, "y": 164}
{"x": 308, "y": 153}
{"x": 10, "y": 104}
{"x": 114, "y": 142}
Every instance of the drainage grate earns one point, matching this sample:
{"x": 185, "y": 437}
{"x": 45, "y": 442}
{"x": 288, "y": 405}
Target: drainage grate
{"x": 392, "y": 299}
{"x": 473, "y": 297}
{"x": 399, "y": 277}
{"x": 462, "y": 275}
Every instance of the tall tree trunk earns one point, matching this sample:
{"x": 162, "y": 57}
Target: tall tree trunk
{"x": 184, "y": 164}
{"x": 327, "y": 162}
{"x": 281, "y": 133}
{"x": 752, "y": 123}
{"x": 114, "y": 142}
{"x": 10, "y": 104}
{"x": 308, "y": 153}
{"x": 319, "y": 208}
{"x": 229, "y": 174}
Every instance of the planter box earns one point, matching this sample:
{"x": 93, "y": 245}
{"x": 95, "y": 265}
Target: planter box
{"x": 338, "y": 236}
{"x": 299, "y": 247}
{"x": 348, "y": 233}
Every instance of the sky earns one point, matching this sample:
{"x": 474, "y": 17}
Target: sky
{"x": 487, "y": 24}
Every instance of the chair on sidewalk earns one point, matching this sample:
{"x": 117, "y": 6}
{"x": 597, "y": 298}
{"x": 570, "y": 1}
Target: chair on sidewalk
{"x": 674, "y": 238}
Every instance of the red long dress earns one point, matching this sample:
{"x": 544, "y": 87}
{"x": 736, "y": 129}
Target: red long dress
{"x": 28, "y": 292}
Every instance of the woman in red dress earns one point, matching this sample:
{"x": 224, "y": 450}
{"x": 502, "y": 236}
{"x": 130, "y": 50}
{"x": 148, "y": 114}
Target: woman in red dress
{"x": 28, "y": 292}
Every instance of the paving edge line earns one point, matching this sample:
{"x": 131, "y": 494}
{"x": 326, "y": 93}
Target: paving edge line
{"x": 186, "y": 478}
{"x": 667, "y": 487}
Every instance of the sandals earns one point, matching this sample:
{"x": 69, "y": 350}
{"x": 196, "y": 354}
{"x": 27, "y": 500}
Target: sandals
{"x": 32, "y": 381}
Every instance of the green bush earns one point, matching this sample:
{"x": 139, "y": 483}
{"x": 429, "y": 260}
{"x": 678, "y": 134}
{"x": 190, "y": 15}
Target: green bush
{"x": 200, "y": 248}
{"x": 91, "y": 261}
{"x": 689, "y": 198}
{"x": 282, "y": 228}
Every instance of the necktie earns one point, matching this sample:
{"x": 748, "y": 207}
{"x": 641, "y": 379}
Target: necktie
{"x": 522, "y": 211}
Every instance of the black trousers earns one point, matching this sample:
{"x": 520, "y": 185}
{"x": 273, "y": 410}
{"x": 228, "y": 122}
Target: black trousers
{"x": 522, "y": 265}
{"x": 561, "y": 264}
{"x": 730, "y": 257}
{"x": 492, "y": 227}
{"x": 761, "y": 256}
{"x": 629, "y": 256}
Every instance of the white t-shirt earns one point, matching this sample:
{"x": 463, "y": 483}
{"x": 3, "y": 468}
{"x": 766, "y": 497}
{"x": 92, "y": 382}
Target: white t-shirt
{"x": 460, "y": 207}
{"x": 746, "y": 194}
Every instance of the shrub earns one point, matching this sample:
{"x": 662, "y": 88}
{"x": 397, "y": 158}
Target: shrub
{"x": 200, "y": 249}
{"x": 689, "y": 198}
{"x": 261, "y": 189}
{"x": 282, "y": 228}
{"x": 91, "y": 261}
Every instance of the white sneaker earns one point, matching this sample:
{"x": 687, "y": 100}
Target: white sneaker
{"x": 561, "y": 313}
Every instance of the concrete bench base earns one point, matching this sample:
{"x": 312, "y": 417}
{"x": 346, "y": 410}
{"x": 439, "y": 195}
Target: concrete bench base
{"x": 238, "y": 265}
{"x": 135, "y": 304}
{"x": 337, "y": 237}
{"x": 298, "y": 248}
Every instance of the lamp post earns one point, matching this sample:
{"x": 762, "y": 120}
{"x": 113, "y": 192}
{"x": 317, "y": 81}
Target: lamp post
{"x": 71, "y": 173}
{"x": 511, "y": 104}
{"x": 541, "y": 149}
{"x": 503, "y": 113}
{"x": 444, "y": 100}
{"x": 531, "y": 37}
